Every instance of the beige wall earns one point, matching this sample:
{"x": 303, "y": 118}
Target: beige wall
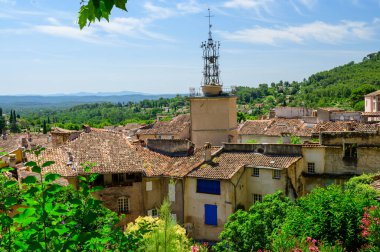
{"x": 213, "y": 119}
{"x": 264, "y": 184}
{"x": 194, "y": 209}
{"x": 313, "y": 155}
{"x": 110, "y": 195}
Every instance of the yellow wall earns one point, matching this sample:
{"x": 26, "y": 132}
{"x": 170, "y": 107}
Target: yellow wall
{"x": 194, "y": 209}
{"x": 213, "y": 119}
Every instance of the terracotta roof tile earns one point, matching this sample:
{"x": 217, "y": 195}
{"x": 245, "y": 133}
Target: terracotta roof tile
{"x": 344, "y": 126}
{"x": 14, "y": 141}
{"x": 226, "y": 164}
{"x": 175, "y": 126}
{"x": 276, "y": 126}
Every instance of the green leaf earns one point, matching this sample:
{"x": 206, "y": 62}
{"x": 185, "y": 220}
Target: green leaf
{"x": 54, "y": 188}
{"x": 6, "y": 169}
{"x": 29, "y": 180}
{"x": 9, "y": 183}
{"x": 83, "y": 16}
{"x": 121, "y": 4}
{"x": 48, "y": 163}
{"x": 96, "y": 188}
{"x": 10, "y": 201}
{"x": 51, "y": 177}
{"x": 31, "y": 163}
{"x": 36, "y": 169}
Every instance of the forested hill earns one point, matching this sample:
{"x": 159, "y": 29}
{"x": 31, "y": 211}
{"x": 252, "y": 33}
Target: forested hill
{"x": 342, "y": 86}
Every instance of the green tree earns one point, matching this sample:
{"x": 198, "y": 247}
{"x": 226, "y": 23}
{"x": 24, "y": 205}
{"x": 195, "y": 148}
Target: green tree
{"x": 44, "y": 128}
{"x": 253, "y": 230}
{"x": 2, "y": 122}
{"x": 51, "y": 217}
{"x": 329, "y": 214}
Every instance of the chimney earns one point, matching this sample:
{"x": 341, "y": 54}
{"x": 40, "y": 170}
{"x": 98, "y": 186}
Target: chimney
{"x": 286, "y": 138}
{"x": 207, "y": 152}
{"x": 12, "y": 160}
{"x": 86, "y": 128}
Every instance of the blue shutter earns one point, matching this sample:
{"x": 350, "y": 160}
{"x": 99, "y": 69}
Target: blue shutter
{"x": 208, "y": 186}
{"x": 211, "y": 215}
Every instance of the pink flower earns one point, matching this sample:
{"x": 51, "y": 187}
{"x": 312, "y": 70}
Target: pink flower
{"x": 308, "y": 239}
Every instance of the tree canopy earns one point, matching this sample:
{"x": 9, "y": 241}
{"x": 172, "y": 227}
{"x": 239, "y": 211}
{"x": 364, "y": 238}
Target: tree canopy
{"x": 92, "y": 10}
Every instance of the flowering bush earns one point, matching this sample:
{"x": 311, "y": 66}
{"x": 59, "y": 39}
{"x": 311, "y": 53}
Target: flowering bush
{"x": 371, "y": 228}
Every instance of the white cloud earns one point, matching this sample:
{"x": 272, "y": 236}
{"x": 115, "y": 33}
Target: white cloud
{"x": 308, "y": 3}
{"x": 248, "y": 4}
{"x": 87, "y": 35}
{"x": 317, "y": 31}
{"x": 191, "y": 6}
{"x": 158, "y": 12}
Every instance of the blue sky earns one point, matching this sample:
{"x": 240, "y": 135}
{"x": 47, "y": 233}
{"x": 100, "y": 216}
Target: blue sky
{"x": 155, "y": 46}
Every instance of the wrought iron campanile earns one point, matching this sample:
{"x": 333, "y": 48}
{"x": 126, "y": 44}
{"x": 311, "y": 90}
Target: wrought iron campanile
{"x": 211, "y": 82}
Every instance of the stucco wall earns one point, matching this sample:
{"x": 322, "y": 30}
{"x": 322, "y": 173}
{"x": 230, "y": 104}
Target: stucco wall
{"x": 264, "y": 184}
{"x": 194, "y": 209}
{"x": 213, "y": 119}
{"x": 110, "y": 195}
{"x": 313, "y": 155}
{"x": 292, "y": 112}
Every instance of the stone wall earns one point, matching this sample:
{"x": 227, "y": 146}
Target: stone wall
{"x": 177, "y": 147}
{"x": 292, "y": 112}
{"x": 269, "y": 149}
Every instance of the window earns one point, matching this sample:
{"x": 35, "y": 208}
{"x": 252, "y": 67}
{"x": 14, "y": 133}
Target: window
{"x": 208, "y": 186}
{"x": 276, "y": 174}
{"x": 171, "y": 193}
{"x": 118, "y": 178}
{"x": 123, "y": 204}
{"x": 256, "y": 172}
{"x": 257, "y": 198}
{"x": 350, "y": 151}
{"x": 149, "y": 185}
{"x": 153, "y": 212}
{"x": 311, "y": 167}
{"x": 211, "y": 215}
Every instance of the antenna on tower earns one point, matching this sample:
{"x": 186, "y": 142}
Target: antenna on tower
{"x": 209, "y": 24}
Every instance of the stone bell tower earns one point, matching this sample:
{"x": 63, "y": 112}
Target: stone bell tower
{"x": 213, "y": 111}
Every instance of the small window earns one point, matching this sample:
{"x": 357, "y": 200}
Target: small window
{"x": 257, "y": 198}
{"x": 276, "y": 174}
{"x": 153, "y": 212}
{"x": 256, "y": 172}
{"x": 350, "y": 151}
{"x": 149, "y": 185}
{"x": 123, "y": 204}
{"x": 118, "y": 178}
{"x": 208, "y": 186}
{"x": 311, "y": 167}
{"x": 211, "y": 215}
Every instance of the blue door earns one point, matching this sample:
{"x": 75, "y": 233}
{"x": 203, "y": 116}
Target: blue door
{"x": 211, "y": 215}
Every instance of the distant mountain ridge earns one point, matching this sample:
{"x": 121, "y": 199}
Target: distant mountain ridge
{"x": 25, "y": 102}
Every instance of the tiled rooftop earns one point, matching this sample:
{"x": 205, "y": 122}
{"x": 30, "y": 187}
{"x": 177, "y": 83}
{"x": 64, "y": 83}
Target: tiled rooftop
{"x": 175, "y": 126}
{"x": 14, "y": 141}
{"x": 112, "y": 153}
{"x": 344, "y": 126}
{"x": 226, "y": 164}
{"x": 276, "y": 126}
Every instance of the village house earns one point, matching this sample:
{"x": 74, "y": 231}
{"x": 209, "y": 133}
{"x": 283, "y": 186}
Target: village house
{"x": 234, "y": 177}
{"x": 339, "y": 156}
{"x": 372, "y": 106}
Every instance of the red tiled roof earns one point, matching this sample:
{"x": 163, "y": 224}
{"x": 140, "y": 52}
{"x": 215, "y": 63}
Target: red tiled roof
{"x": 112, "y": 153}
{"x": 226, "y": 164}
{"x": 344, "y": 126}
{"x": 276, "y": 126}
{"x": 14, "y": 141}
{"x": 175, "y": 126}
